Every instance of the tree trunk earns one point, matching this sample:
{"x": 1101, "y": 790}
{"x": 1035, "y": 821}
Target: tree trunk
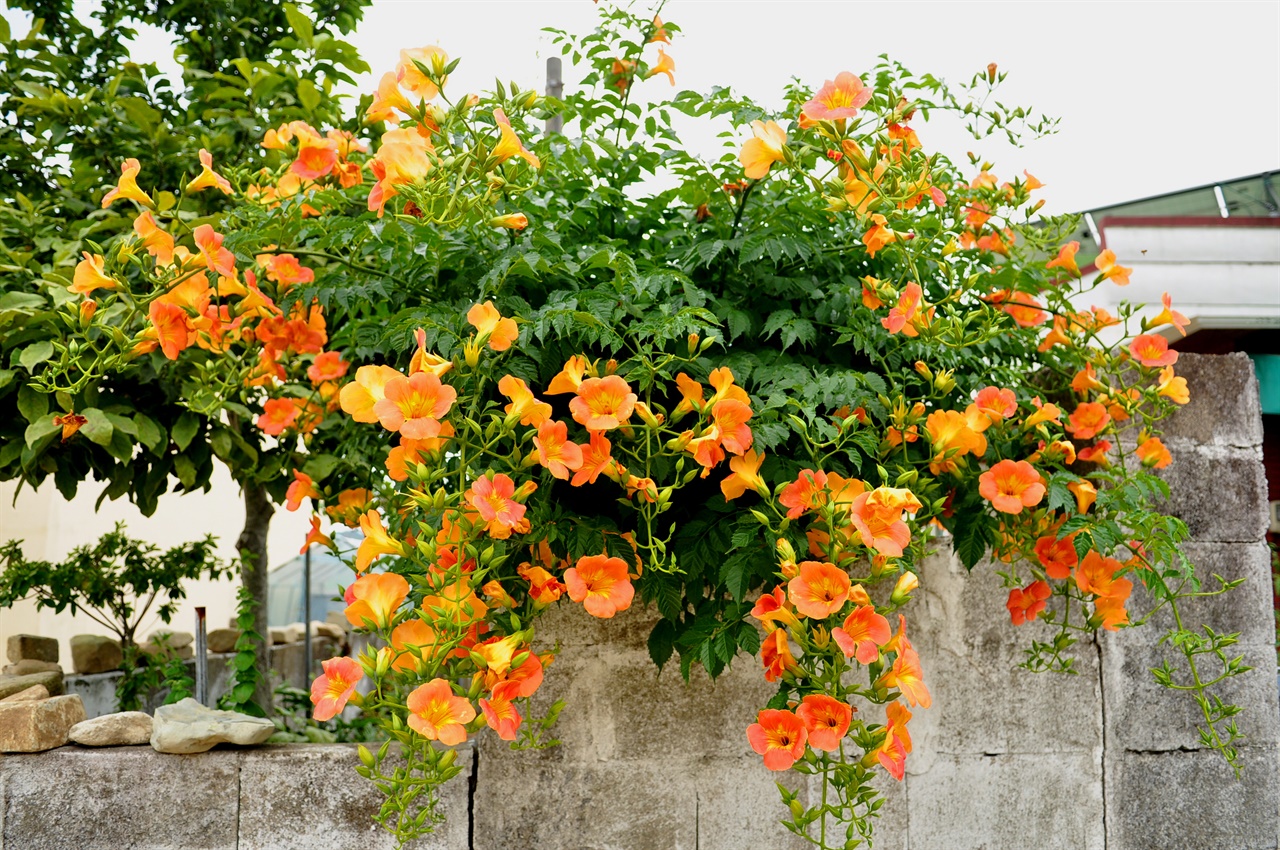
{"x": 253, "y": 574}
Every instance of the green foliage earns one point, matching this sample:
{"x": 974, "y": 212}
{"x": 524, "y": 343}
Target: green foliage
{"x": 245, "y": 675}
{"x": 297, "y": 726}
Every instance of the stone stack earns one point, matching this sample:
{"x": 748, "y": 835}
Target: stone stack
{"x": 31, "y": 654}
{"x": 32, "y": 721}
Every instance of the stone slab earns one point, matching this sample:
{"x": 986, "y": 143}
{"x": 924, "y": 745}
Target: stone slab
{"x": 95, "y": 654}
{"x": 13, "y": 684}
{"x": 306, "y": 796}
{"x": 1007, "y": 802}
{"x": 1192, "y": 801}
{"x": 32, "y": 648}
{"x": 1224, "y": 408}
{"x": 1220, "y": 495}
{"x": 129, "y": 797}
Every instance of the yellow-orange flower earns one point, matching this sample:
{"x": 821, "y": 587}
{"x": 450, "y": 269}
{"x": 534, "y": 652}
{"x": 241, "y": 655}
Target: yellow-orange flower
{"x": 952, "y": 438}
{"x": 501, "y": 716}
{"x": 377, "y": 541}
{"x": 1169, "y": 316}
{"x": 837, "y": 99}
{"x": 1110, "y": 270}
{"x": 1153, "y": 453}
{"x": 862, "y": 634}
{"x": 457, "y": 603}
{"x": 414, "y": 405}
{"x": 775, "y": 655}
{"x": 1066, "y": 259}
{"x": 209, "y": 178}
{"x": 907, "y": 676}
{"x": 1172, "y": 387}
{"x": 510, "y": 145}
{"x": 492, "y": 499}
{"x": 89, "y": 275}
{"x": 767, "y": 146}
{"x": 331, "y": 690}
{"x": 490, "y": 324}
{"x": 878, "y": 517}
{"x": 1086, "y": 494}
{"x": 1088, "y": 420}
{"x": 820, "y": 589}
{"x": 414, "y": 642}
{"x": 779, "y": 736}
{"x": 359, "y": 397}
{"x": 317, "y": 156}
{"x": 375, "y": 598}
{"x": 603, "y": 404}
{"x": 387, "y": 100}
{"x": 1011, "y": 486}
{"x": 665, "y": 65}
{"x": 301, "y": 488}
{"x": 601, "y": 584}
{"x": 908, "y": 313}
{"x": 127, "y": 187}
{"x": 876, "y": 237}
{"x": 437, "y": 715}
{"x": 411, "y": 77}
{"x": 554, "y": 450}
{"x": 1026, "y": 603}
{"x": 1152, "y": 351}
{"x": 156, "y": 241}
{"x": 510, "y": 221}
{"x": 596, "y": 458}
{"x": 745, "y": 476}
{"x": 524, "y": 405}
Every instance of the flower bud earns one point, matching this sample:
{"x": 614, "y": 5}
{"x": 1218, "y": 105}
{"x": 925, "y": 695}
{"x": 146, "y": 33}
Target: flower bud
{"x": 642, "y": 410}
{"x": 471, "y": 354}
{"x": 991, "y": 76}
{"x": 447, "y": 758}
{"x": 366, "y": 757}
{"x": 693, "y": 344}
{"x": 907, "y": 584}
{"x": 87, "y": 309}
{"x": 611, "y": 366}
{"x": 510, "y": 221}
{"x": 923, "y": 370}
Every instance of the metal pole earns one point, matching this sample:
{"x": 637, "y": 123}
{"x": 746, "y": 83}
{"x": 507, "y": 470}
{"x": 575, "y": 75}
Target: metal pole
{"x": 307, "y": 659}
{"x": 202, "y": 660}
{"x": 555, "y": 88}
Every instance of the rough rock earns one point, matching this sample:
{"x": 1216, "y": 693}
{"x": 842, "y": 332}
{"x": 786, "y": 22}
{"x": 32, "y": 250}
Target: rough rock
{"x": 95, "y": 654}
{"x": 124, "y": 729}
{"x": 33, "y": 648}
{"x": 27, "y": 666}
{"x": 337, "y": 618}
{"x": 329, "y": 630}
{"x": 31, "y": 694}
{"x": 175, "y": 640}
{"x": 278, "y": 636}
{"x": 157, "y": 651}
{"x": 222, "y": 640}
{"x": 33, "y": 726}
{"x": 189, "y": 727}
{"x": 13, "y": 684}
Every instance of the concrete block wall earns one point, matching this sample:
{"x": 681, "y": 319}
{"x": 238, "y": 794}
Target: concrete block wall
{"x": 1004, "y": 760}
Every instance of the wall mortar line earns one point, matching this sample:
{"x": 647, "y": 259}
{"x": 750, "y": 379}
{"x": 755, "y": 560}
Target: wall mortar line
{"x": 1102, "y": 706}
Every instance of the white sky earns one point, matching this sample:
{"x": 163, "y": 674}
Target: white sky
{"x": 1154, "y": 96}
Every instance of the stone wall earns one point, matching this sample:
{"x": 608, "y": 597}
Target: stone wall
{"x": 1005, "y": 759}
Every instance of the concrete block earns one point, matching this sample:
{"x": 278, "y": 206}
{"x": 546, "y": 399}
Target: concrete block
{"x": 1224, "y": 408}
{"x": 32, "y": 648}
{"x": 739, "y": 806}
{"x": 306, "y": 796}
{"x": 1192, "y": 801}
{"x": 570, "y": 624}
{"x": 121, "y": 797}
{"x": 605, "y": 806}
{"x": 1220, "y": 495}
{"x": 1007, "y": 802}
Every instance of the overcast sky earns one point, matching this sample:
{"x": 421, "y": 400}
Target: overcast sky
{"x": 1154, "y": 96}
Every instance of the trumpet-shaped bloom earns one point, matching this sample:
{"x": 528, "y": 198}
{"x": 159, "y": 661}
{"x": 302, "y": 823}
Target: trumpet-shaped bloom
{"x": 1172, "y": 386}
{"x": 510, "y": 221}
{"x": 804, "y": 493}
{"x": 952, "y": 438}
{"x": 544, "y": 588}
{"x": 826, "y": 719}
{"x": 876, "y": 237}
{"x": 1058, "y": 557}
{"x": 487, "y": 321}
{"x": 1110, "y": 270}
{"x": 278, "y": 415}
{"x": 996, "y": 403}
{"x": 837, "y": 99}
{"x": 127, "y": 187}
{"x": 375, "y": 598}
{"x": 570, "y": 377}
{"x": 767, "y": 146}
{"x": 328, "y": 366}
{"x": 510, "y": 145}
{"x": 414, "y": 405}
{"x": 493, "y": 500}
{"x": 745, "y": 476}
{"x": 1066, "y": 259}
{"x": 89, "y": 275}
{"x": 437, "y": 715}
{"x": 820, "y": 589}
{"x": 1086, "y": 494}
{"x": 863, "y": 633}
{"x": 350, "y": 506}
{"x": 779, "y": 736}
{"x": 1152, "y": 351}
{"x": 730, "y": 417}
{"x": 774, "y": 610}
{"x": 555, "y": 452}
{"x": 908, "y": 677}
{"x": 892, "y": 753}
{"x": 596, "y": 458}
{"x": 155, "y": 240}
{"x": 70, "y": 423}
{"x": 1099, "y": 576}
{"x": 410, "y": 637}
{"x": 217, "y": 258}
{"x": 1088, "y": 420}
{"x": 331, "y": 690}
{"x": 1169, "y": 316}
{"x": 775, "y": 655}
{"x": 878, "y": 517}
{"x": 317, "y": 156}
{"x": 601, "y": 584}
{"x": 602, "y": 404}
{"x": 665, "y": 65}
{"x": 361, "y": 396}
{"x": 501, "y": 716}
{"x": 285, "y": 269}
{"x": 1026, "y": 603}
{"x": 387, "y": 100}
{"x": 208, "y": 178}
{"x": 1153, "y": 453}
{"x": 523, "y": 681}
{"x": 457, "y": 603}
{"x": 411, "y": 77}
{"x": 907, "y": 313}
{"x": 377, "y": 541}
{"x": 301, "y": 488}
{"x": 315, "y": 536}
{"x": 1011, "y": 486}
{"x": 523, "y": 404}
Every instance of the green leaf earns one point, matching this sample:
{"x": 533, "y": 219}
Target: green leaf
{"x": 4, "y": 29}
{"x": 148, "y": 431}
{"x": 184, "y": 430}
{"x": 308, "y": 95}
{"x": 97, "y": 426}
{"x": 185, "y": 470}
{"x": 662, "y": 642}
{"x": 973, "y": 537}
{"x": 40, "y": 429}
{"x": 6, "y": 377}
{"x": 35, "y": 354}
{"x": 319, "y": 466}
{"x": 300, "y": 24}
{"x": 220, "y": 441}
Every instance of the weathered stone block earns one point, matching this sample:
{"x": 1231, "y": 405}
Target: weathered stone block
{"x": 1192, "y": 801}
{"x": 302, "y": 797}
{"x": 33, "y": 726}
{"x": 116, "y": 798}
{"x": 605, "y": 806}
{"x": 123, "y": 729}
{"x": 222, "y": 640}
{"x": 13, "y": 684}
{"x": 32, "y": 647}
{"x": 27, "y": 666}
{"x": 95, "y": 654}
{"x": 33, "y": 693}
{"x": 170, "y": 638}
{"x": 738, "y": 805}
{"x": 1224, "y": 408}
{"x": 1221, "y": 496}
{"x": 1007, "y": 802}
{"x": 189, "y": 727}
